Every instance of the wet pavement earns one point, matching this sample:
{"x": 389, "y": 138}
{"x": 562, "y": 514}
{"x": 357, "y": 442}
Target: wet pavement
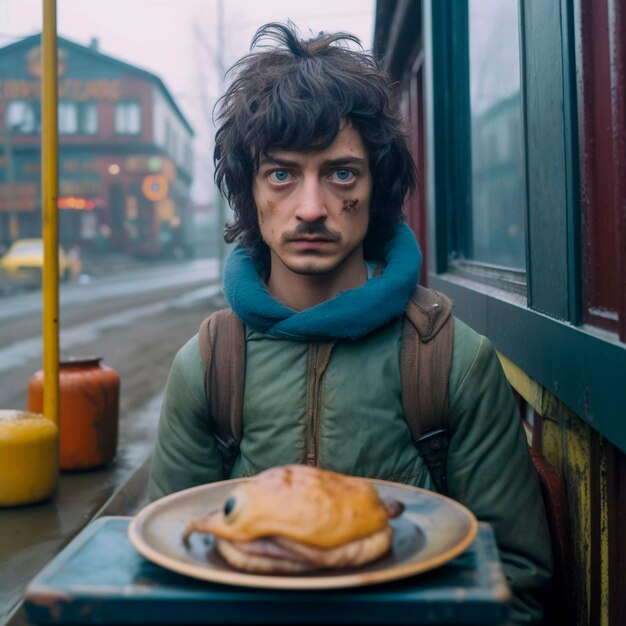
{"x": 31, "y": 535}
{"x": 136, "y": 327}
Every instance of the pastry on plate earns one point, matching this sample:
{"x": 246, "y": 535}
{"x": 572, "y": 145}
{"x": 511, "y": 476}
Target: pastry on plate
{"x": 296, "y": 518}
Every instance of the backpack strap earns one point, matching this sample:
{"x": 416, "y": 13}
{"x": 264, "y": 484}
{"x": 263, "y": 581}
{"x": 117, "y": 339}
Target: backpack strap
{"x": 222, "y": 335}
{"x": 425, "y": 361}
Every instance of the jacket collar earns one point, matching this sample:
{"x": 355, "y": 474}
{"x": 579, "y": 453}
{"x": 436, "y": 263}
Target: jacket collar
{"x": 349, "y": 315}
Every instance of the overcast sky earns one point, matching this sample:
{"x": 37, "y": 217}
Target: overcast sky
{"x": 177, "y": 39}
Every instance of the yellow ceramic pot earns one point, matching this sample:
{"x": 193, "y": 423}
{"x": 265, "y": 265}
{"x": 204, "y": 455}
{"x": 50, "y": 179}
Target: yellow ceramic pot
{"x": 29, "y": 464}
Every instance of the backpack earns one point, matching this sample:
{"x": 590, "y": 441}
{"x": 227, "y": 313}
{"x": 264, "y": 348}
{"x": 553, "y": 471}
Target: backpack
{"x": 425, "y": 361}
{"x": 425, "y": 367}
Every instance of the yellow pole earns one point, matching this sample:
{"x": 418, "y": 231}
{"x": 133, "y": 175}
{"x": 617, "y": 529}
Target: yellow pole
{"x": 49, "y": 189}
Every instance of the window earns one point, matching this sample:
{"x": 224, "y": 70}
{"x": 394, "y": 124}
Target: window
{"x": 88, "y": 118}
{"x": 23, "y": 117}
{"x": 486, "y": 237}
{"x": 497, "y": 164}
{"x": 127, "y": 118}
{"x": 167, "y": 134}
{"x": 571, "y": 128}
{"x": 174, "y": 146}
{"x": 78, "y": 117}
{"x": 68, "y": 118}
{"x": 188, "y": 160}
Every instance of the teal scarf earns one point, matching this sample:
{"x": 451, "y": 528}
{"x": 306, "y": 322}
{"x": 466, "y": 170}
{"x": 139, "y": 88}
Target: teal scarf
{"x": 351, "y": 314}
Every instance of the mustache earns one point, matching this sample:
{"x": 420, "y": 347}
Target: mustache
{"x": 312, "y": 229}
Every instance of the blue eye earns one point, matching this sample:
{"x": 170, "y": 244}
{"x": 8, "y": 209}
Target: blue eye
{"x": 343, "y": 175}
{"x": 280, "y": 176}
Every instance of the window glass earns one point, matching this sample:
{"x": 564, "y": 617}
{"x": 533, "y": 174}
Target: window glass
{"x": 168, "y": 136}
{"x": 89, "y": 118}
{"x": 127, "y": 118}
{"x": 68, "y": 118}
{"x": 497, "y": 228}
{"x": 22, "y": 116}
{"x": 174, "y": 146}
{"x": 188, "y": 158}
{"x": 27, "y": 248}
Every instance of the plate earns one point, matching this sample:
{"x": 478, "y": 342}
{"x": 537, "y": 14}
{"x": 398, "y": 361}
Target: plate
{"x": 432, "y": 531}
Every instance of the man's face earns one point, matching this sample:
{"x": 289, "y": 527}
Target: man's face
{"x": 313, "y": 207}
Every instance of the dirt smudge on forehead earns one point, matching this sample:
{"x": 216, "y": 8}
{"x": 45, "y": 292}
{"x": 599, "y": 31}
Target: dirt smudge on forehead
{"x": 350, "y": 206}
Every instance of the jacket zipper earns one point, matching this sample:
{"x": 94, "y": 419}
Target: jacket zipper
{"x": 319, "y": 355}
{"x": 312, "y": 403}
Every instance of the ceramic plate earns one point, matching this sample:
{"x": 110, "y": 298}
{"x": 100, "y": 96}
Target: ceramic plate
{"x": 432, "y": 530}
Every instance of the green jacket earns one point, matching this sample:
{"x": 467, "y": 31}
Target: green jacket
{"x": 351, "y": 421}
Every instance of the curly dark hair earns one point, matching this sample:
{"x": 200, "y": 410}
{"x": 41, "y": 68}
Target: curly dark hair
{"x": 295, "y": 94}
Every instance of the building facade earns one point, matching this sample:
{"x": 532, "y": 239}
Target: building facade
{"x": 125, "y": 153}
{"x": 517, "y": 121}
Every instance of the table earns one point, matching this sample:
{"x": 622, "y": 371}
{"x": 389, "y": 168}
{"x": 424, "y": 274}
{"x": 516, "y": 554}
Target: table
{"x": 100, "y": 578}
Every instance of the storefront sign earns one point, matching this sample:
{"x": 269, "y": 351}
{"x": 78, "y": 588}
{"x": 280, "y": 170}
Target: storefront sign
{"x": 76, "y": 203}
{"x": 78, "y": 165}
{"x": 69, "y": 89}
{"x": 155, "y": 187}
{"x": 151, "y": 165}
{"x": 79, "y": 187}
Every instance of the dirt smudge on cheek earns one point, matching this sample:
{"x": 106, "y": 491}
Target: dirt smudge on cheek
{"x": 261, "y": 216}
{"x": 350, "y": 206}
{"x": 270, "y": 205}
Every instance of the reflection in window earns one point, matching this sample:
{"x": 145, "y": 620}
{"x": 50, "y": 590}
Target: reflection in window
{"x": 497, "y": 173}
{"x": 127, "y": 118}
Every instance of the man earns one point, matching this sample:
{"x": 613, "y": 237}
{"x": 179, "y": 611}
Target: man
{"x": 311, "y": 155}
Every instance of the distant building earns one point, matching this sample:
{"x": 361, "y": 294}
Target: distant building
{"x": 125, "y": 156}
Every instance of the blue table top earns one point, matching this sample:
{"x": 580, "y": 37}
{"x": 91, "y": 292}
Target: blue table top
{"x": 100, "y": 578}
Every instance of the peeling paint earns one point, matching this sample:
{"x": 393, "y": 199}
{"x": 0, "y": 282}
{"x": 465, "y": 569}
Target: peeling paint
{"x": 567, "y": 441}
{"x": 604, "y": 539}
{"x": 529, "y": 389}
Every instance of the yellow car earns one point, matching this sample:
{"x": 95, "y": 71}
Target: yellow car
{"x": 23, "y": 262}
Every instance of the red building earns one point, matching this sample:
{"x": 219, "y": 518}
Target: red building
{"x": 125, "y": 155}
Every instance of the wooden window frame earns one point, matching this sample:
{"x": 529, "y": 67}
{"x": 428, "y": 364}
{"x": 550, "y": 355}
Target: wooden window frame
{"x": 128, "y": 133}
{"x": 415, "y": 204}
{"x": 542, "y": 331}
{"x": 600, "y": 29}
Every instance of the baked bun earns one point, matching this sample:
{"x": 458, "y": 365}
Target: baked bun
{"x": 297, "y": 518}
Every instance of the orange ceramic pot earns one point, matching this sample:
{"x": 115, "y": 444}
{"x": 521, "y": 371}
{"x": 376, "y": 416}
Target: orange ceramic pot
{"x": 88, "y": 413}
